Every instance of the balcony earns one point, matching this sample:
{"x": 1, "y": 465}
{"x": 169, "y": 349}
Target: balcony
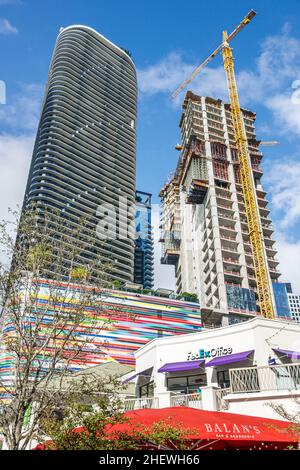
{"x": 224, "y": 199}
{"x": 265, "y": 378}
{"x": 267, "y": 228}
{"x": 223, "y": 192}
{"x": 256, "y": 168}
{"x": 225, "y": 216}
{"x": 271, "y": 252}
{"x": 226, "y": 224}
{"x": 230, "y": 261}
{"x": 171, "y": 251}
{"x": 227, "y": 207}
{"x": 269, "y": 242}
{"x": 232, "y": 274}
{"x": 229, "y": 250}
{"x": 232, "y": 239}
{"x": 227, "y": 229}
{"x": 197, "y": 191}
{"x": 272, "y": 261}
{"x": 264, "y": 211}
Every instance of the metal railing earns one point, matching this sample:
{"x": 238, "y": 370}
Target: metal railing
{"x": 221, "y": 404}
{"x": 130, "y": 404}
{"x": 265, "y": 378}
{"x": 191, "y": 400}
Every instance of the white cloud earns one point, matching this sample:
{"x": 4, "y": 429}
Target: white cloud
{"x": 289, "y": 257}
{"x": 269, "y": 83}
{"x": 15, "y": 156}
{"x": 6, "y": 27}
{"x": 22, "y": 110}
{"x": 286, "y": 113}
{"x": 19, "y": 117}
{"x": 167, "y": 74}
{"x": 284, "y": 179}
{"x": 164, "y": 76}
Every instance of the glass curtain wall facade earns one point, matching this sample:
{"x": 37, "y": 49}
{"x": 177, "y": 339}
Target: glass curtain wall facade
{"x": 143, "y": 251}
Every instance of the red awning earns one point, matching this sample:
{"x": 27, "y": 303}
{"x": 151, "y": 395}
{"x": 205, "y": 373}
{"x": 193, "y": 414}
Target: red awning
{"x": 211, "y": 430}
{"x": 215, "y": 429}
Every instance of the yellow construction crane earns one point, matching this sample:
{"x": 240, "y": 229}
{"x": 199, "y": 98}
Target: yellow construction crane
{"x": 264, "y": 288}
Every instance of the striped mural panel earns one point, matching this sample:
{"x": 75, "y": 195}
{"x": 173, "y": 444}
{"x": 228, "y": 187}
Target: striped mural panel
{"x": 134, "y": 320}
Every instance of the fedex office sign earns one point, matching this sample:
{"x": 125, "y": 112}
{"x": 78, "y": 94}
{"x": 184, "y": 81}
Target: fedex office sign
{"x": 209, "y": 354}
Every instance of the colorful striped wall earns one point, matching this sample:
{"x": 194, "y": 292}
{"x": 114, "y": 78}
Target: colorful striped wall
{"x": 134, "y": 320}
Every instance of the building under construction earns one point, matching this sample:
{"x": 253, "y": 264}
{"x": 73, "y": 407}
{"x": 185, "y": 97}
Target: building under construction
{"x": 204, "y": 225}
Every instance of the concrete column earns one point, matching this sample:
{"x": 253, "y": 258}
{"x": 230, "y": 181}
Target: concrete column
{"x": 209, "y": 398}
{"x": 164, "y": 399}
{"x": 222, "y": 302}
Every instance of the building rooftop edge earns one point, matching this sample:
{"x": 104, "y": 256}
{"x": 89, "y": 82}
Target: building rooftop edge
{"x": 193, "y": 96}
{"x": 92, "y": 30}
{"x": 118, "y": 291}
{"x": 219, "y": 330}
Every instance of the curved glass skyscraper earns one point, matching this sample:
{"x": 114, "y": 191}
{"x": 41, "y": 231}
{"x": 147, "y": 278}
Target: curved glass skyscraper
{"x": 83, "y": 161}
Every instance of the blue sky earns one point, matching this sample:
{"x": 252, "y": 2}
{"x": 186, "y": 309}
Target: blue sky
{"x": 167, "y": 39}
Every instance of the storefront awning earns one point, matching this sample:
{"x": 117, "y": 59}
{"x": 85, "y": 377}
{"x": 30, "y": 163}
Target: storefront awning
{"x": 289, "y": 354}
{"x": 129, "y": 379}
{"x": 178, "y": 366}
{"x": 230, "y": 359}
{"x": 145, "y": 373}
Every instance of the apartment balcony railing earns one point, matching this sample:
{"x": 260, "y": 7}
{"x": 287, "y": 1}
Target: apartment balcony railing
{"x": 228, "y": 208}
{"x": 230, "y": 260}
{"x": 233, "y": 284}
{"x": 265, "y": 378}
{"x": 229, "y": 248}
{"x": 226, "y": 216}
{"x": 224, "y": 197}
{"x": 232, "y": 273}
{"x": 226, "y": 227}
{"x": 225, "y": 237}
{"x": 191, "y": 400}
{"x": 130, "y": 404}
{"x": 256, "y": 168}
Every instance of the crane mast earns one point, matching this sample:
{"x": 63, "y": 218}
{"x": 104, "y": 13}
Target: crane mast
{"x": 249, "y": 193}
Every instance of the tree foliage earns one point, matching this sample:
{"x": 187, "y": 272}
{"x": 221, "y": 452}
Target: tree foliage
{"x": 51, "y": 296}
{"x": 291, "y": 414}
{"x": 85, "y": 427}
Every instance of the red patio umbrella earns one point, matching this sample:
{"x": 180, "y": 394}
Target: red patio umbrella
{"x": 216, "y": 430}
